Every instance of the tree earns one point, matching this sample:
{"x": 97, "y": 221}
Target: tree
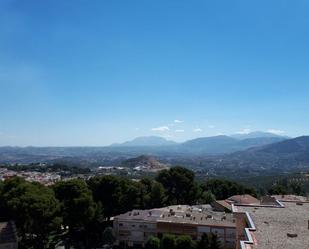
{"x": 145, "y": 185}
{"x": 208, "y": 197}
{"x": 2, "y": 204}
{"x": 296, "y": 188}
{"x": 34, "y": 208}
{"x": 204, "y": 242}
{"x": 214, "y": 242}
{"x": 223, "y": 189}
{"x": 153, "y": 243}
{"x": 168, "y": 241}
{"x": 179, "y": 185}
{"x": 94, "y": 231}
{"x": 131, "y": 197}
{"x": 157, "y": 196}
{"x": 278, "y": 189}
{"x": 107, "y": 190}
{"x": 77, "y": 204}
{"x": 77, "y": 208}
{"x": 118, "y": 194}
{"x": 108, "y": 236}
{"x": 151, "y": 194}
{"x": 184, "y": 242}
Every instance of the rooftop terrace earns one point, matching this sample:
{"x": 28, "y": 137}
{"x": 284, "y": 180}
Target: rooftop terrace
{"x": 284, "y": 228}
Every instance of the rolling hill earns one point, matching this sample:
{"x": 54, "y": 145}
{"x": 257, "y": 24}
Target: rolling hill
{"x": 144, "y": 163}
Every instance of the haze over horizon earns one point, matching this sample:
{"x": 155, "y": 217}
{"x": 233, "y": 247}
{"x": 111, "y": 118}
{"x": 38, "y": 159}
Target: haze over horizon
{"x": 91, "y": 74}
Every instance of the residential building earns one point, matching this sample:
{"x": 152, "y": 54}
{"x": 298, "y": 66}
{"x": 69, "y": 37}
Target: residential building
{"x": 135, "y": 227}
{"x": 270, "y": 223}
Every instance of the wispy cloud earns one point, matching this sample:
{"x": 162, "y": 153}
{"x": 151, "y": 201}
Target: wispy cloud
{"x": 161, "y": 128}
{"x": 275, "y": 131}
{"x": 197, "y": 130}
{"x": 179, "y": 130}
{"x": 244, "y": 131}
{"x": 211, "y": 126}
{"x": 178, "y": 121}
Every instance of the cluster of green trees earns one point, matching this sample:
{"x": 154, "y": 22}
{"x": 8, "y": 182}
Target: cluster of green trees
{"x": 168, "y": 241}
{"x": 78, "y": 212}
{"x": 284, "y": 186}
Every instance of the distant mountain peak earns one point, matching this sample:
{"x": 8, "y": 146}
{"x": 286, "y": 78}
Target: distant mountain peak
{"x": 146, "y": 141}
{"x": 256, "y": 134}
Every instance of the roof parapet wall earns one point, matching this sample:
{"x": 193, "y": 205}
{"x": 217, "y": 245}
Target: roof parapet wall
{"x": 246, "y": 244}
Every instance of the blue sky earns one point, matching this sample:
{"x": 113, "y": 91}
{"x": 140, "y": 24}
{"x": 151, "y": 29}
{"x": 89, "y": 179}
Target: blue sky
{"x": 80, "y": 72}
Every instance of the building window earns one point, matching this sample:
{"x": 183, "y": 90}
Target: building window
{"x": 120, "y": 224}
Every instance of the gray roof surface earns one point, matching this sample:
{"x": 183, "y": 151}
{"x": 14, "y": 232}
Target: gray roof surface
{"x": 273, "y": 224}
{"x": 201, "y": 215}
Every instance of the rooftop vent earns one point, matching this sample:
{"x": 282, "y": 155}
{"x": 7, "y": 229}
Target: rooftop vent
{"x": 292, "y": 235}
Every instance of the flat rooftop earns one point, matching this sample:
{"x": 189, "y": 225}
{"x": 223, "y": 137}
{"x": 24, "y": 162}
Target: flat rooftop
{"x": 197, "y": 215}
{"x": 273, "y": 225}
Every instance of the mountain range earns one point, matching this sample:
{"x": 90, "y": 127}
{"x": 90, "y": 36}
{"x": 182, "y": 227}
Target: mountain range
{"x": 247, "y": 152}
{"x": 205, "y": 145}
